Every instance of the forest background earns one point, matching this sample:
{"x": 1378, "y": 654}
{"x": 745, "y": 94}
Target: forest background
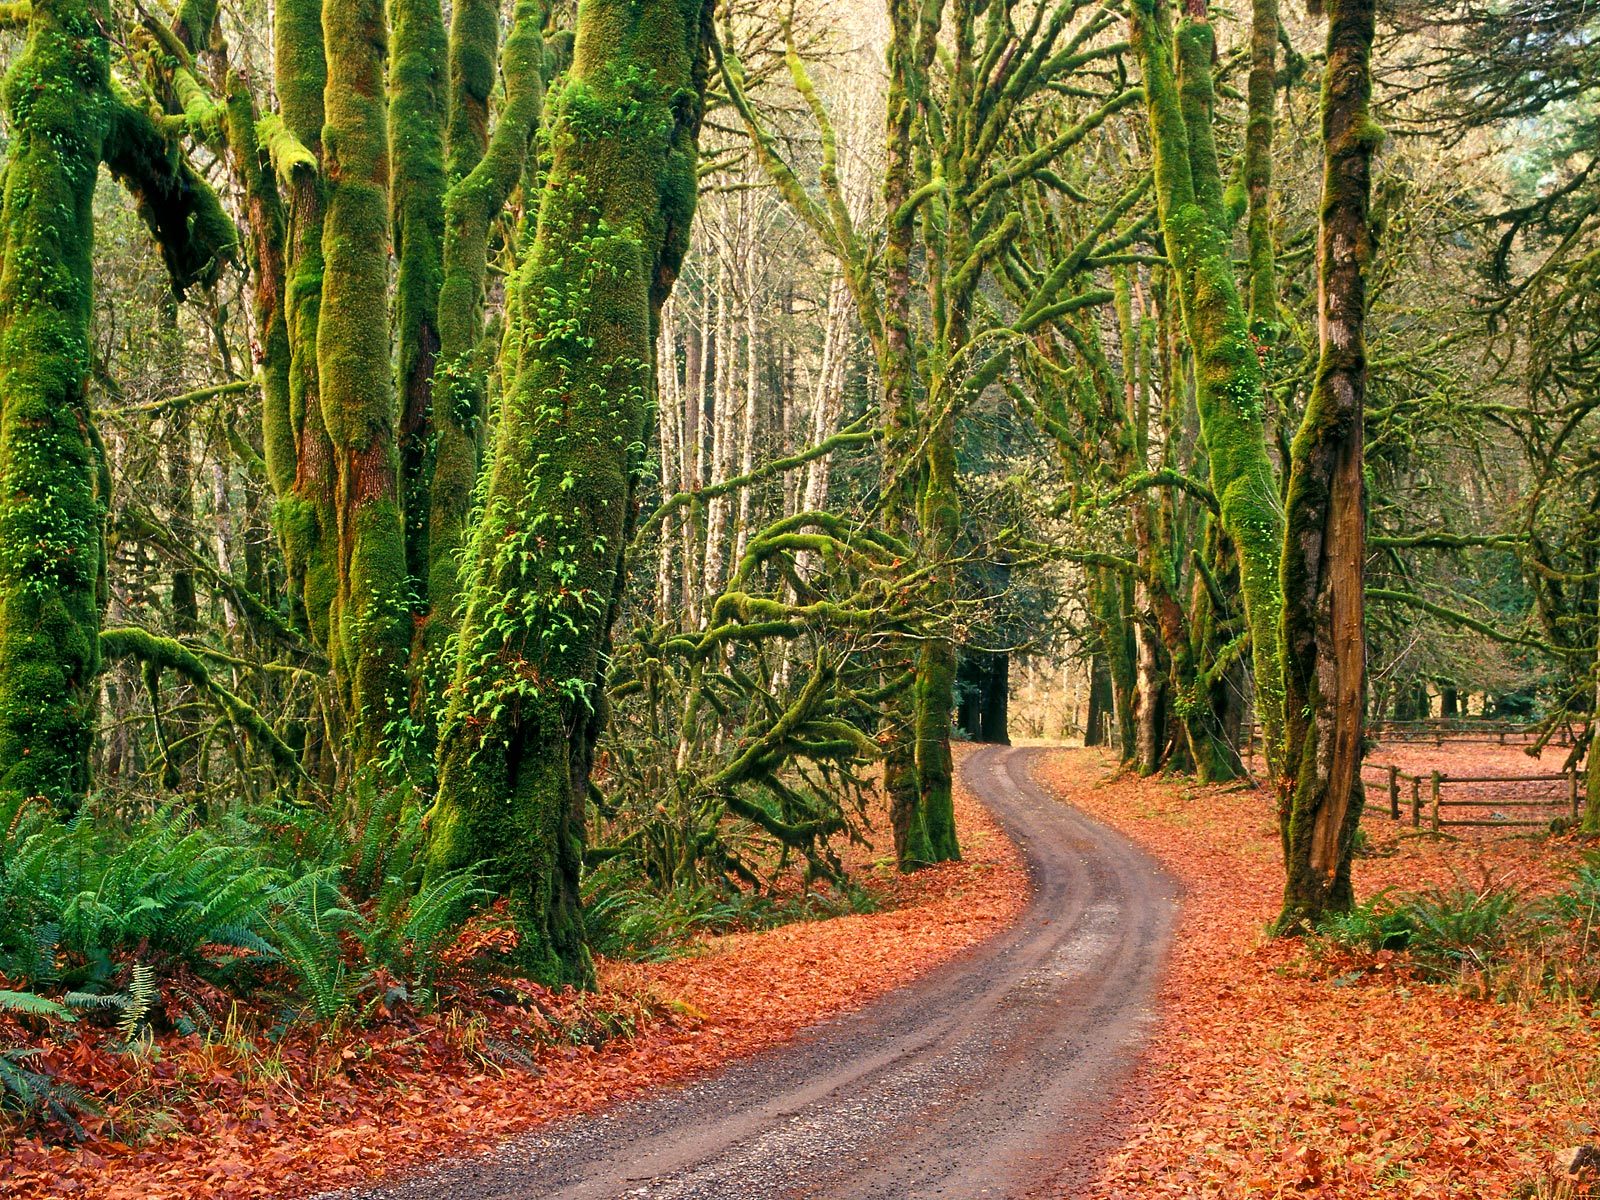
{"x": 557, "y": 463}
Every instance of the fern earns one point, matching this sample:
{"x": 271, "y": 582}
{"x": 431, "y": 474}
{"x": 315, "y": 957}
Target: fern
{"x": 137, "y": 1002}
{"x": 36, "y": 1095}
{"x": 32, "y": 1094}
{"x": 306, "y": 930}
{"x": 30, "y": 1005}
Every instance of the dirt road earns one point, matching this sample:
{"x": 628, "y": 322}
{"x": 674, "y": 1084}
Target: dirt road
{"x": 991, "y": 1077}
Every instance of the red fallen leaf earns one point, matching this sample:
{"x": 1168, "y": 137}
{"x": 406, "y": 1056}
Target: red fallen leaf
{"x": 1460, "y": 1098}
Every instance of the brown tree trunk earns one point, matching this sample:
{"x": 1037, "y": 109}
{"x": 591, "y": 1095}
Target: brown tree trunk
{"x": 1324, "y": 640}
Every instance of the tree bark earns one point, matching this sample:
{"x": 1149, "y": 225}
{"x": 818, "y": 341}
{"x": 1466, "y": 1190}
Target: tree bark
{"x": 1230, "y": 394}
{"x": 1324, "y": 639}
{"x": 369, "y": 620}
{"x": 527, "y": 700}
{"x": 65, "y": 120}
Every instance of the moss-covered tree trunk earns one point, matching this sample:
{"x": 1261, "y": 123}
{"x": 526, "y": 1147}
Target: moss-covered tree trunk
{"x": 1261, "y": 106}
{"x": 369, "y": 622}
{"x": 546, "y": 558}
{"x": 1110, "y": 609}
{"x": 912, "y": 41}
{"x": 1591, "y": 800}
{"x": 417, "y": 89}
{"x": 1227, "y": 372}
{"x": 66, "y": 118}
{"x": 483, "y": 170}
{"x": 933, "y": 827}
{"x": 307, "y": 523}
{"x": 1324, "y": 639}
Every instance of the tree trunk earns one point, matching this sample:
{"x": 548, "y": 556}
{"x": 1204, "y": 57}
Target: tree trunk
{"x": 1591, "y": 806}
{"x": 527, "y": 701}
{"x": 1262, "y": 91}
{"x": 370, "y": 624}
{"x": 1228, "y": 381}
{"x": 417, "y": 78}
{"x": 483, "y": 169}
{"x": 1101, "y": 705}
{"x": 1324, "y": 639}
{"x": 53, "y": 476}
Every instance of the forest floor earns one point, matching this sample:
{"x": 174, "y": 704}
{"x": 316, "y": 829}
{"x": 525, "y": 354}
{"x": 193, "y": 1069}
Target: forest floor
{"x": 1282, "y": 1069}
{"x": 203, "y": 1119}
{"x": 1276, "y": 1069}
{"x": 995, "y": 1075}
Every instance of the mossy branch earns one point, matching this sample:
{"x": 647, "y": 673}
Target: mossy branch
{"x": 1168, "y": 478}
{"x": 1457, "y": 617}
{"x": 174, "y": 404}
{"x": 291, "y": 160}
{"x": 859, "y": 432}
{"x": 169, "y": 654}
{"x": 187, "y": 220}
{"x": 1446, "y": 541}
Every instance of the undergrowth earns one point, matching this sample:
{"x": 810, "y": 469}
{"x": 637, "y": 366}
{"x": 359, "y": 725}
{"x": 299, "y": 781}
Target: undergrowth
{"x": 628, "y": 918}
{"x": 1491, "y": 939}
{"x": 126, "y": 934}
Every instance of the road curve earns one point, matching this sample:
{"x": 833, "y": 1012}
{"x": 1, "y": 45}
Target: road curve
{"x": 993, "y": 1076}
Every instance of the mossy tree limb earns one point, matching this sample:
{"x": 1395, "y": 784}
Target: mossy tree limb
{"x": 161, "y": 653}
{"x": 545, "y": 563}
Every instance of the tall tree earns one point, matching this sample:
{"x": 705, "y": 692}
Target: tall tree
{"x": 1179, "y": 93}
{"x": 1324, "y": 555}
{"x": 370, "y": 623}
{"x": 546, "y": 558}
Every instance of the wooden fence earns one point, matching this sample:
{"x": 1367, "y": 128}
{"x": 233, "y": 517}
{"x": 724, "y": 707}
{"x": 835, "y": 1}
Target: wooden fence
{"x": 1493, "y": 792}
{"x": 1439, "y": 730}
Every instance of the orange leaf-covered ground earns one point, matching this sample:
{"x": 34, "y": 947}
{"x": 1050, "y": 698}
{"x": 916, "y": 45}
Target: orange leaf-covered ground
{"x": 1272, "y": 1075}
{"x": 391, "y": 1097}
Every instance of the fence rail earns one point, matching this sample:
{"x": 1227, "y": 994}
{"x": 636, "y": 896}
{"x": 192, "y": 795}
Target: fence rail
{"x": 1439, "y": 730}
{"x": 1469, "y": 729}
{"x": 1570, "y": 802}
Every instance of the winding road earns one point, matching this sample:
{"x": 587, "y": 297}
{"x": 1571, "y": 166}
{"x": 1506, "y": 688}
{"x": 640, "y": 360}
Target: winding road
{"x": 993, "y": 1076}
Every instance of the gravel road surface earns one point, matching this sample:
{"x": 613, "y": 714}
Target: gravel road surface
{"x": 994, "y": 1076}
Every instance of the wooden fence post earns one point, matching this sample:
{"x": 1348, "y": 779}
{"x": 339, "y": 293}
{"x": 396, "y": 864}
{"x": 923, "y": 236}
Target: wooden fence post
{"x": 1416, "y": 802}
{"x": 1394, "y": 793}
{"x": 1436, "y": 779}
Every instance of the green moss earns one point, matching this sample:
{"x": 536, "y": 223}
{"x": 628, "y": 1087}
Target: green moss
{"x": 253, "y": 168}
{"x": 417, "y": 97}
{"x": 66, "y": 117}
{"x": 473, "y": 202}
{"x": 369, "y": 623}
{"x": 307, "y": 519}
{"x": 158, "y": 653}
{"x": 1229, "y": 385}
{"x": 544, "y": 566}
